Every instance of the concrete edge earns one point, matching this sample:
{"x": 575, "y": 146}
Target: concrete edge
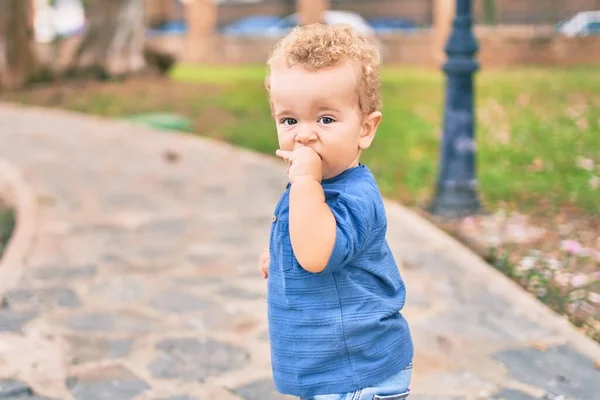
{"x": 19, "y": 195}
{"x": 496, "y": 281}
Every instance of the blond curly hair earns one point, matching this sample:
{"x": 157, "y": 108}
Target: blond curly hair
{"x": 318, "y": 46}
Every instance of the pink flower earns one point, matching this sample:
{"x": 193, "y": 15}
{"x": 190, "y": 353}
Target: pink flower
{"x": 571, "y": 246}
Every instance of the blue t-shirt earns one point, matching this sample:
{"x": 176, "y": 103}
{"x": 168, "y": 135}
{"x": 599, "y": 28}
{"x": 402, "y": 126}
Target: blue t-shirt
{"x": 339, "y": 330}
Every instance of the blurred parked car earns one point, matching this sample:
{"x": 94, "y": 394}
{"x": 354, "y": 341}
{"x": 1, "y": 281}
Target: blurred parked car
{"x": 254, "y": 25}
{"x": 330, "y": 17}
{"x": 392, "y": 25}
{"x": 582, "y": 24}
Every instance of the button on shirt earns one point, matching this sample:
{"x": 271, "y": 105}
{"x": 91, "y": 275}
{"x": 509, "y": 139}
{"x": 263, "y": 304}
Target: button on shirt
{"x": 341, "y": 329}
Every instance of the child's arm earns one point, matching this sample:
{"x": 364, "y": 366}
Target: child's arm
{"x": 312, "y": 224}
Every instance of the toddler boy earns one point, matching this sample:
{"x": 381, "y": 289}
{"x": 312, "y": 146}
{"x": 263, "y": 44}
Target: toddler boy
{"x": 334, "y": 289}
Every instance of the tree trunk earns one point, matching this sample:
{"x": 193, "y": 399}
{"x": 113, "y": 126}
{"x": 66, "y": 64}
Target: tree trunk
{"x": 18, "y": 63}
{"x": 113, "y": 45}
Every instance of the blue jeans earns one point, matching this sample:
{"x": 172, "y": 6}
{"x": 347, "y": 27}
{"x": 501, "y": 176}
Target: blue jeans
{"x": 396, "y": 387}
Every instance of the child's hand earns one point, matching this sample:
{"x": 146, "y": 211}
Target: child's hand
{"x": 303, "y": 162}
{"x": 263, "y": 263}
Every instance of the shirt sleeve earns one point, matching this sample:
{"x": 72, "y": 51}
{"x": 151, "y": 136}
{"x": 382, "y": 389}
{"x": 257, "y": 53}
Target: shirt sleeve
{"x": 352, "y": 229}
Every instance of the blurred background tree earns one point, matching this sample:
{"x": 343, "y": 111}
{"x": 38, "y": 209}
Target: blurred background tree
{"x": 18, "y": 63}
{"x": 113, "y": 44}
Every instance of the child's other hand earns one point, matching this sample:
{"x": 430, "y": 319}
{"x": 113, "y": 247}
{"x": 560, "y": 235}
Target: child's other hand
{"x": 303, "y": 162}
{"x": 263, "y": 263}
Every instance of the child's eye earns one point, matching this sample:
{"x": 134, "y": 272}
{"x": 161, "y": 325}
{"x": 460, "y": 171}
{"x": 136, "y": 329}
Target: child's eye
{"x": 288, "y": 121}
{"x": 326, "y": 120}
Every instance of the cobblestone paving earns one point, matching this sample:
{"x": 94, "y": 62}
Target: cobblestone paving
{"x": 142, "y": 282}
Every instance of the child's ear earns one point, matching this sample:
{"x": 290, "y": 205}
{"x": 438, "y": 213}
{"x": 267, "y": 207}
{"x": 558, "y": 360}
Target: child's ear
{"x": 369, "y": 128}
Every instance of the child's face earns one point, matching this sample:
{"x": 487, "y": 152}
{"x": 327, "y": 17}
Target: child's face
{"x": 320, "y": 109}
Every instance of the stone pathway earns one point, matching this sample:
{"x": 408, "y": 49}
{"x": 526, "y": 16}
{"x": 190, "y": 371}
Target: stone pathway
{"x": 142, "y": 282}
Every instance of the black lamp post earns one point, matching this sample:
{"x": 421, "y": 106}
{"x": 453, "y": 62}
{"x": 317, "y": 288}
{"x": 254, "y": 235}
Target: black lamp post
{"x": 456, "y": 189}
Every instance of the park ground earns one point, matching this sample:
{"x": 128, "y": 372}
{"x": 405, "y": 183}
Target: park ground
{"x": 538, "y": 149}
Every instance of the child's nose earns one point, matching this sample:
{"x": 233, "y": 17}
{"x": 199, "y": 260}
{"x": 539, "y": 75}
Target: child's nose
{"x": 306, "y": 134}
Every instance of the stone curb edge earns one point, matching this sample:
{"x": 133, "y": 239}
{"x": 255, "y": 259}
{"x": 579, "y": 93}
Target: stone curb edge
{"x": 19, "y": 195}
{"x": 496, "y": 281}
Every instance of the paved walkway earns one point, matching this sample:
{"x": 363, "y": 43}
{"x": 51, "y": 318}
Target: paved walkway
{"x": 142, "y": 282}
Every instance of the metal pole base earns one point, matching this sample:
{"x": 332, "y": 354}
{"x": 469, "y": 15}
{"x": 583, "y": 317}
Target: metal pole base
{"x": 455, "y": 202}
